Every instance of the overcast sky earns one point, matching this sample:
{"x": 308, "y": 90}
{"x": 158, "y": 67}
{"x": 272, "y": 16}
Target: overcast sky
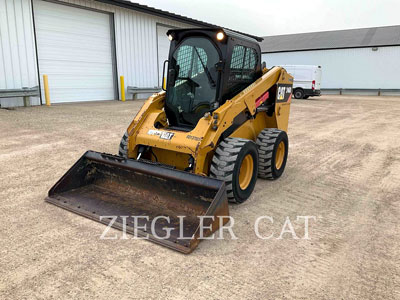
{"x": 273, "y": 17}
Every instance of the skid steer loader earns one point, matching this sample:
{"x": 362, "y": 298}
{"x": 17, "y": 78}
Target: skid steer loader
{"x": 219, "y": 124}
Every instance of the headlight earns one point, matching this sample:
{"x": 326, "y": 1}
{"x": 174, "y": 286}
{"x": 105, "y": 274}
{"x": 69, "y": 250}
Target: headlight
{"x": 220, "y": 36}
{"x": 170, "y": 37}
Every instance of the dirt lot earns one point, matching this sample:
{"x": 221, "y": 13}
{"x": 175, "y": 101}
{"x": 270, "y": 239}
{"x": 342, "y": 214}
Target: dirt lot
{"x": 343, "y": 168}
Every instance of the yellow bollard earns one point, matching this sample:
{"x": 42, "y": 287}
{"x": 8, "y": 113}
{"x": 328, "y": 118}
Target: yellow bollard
{"x": 121, "y": 78}
{"x": 46, "y": 89}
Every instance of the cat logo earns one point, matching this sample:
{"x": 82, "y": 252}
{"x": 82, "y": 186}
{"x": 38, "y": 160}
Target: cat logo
{"x": 165, "y": 135}
{"x": 284, "y": 92}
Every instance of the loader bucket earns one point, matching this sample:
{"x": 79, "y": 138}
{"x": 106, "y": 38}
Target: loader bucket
{"x": 138, "y": 195}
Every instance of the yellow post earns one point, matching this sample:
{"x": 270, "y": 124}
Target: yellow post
{"x": 164, "y": 83}
{"x": 121, "y": 79}
{"x": 46, "y": 89}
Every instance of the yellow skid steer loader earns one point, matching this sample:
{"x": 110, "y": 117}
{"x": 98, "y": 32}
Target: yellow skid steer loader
{"x": 219, "y": 124}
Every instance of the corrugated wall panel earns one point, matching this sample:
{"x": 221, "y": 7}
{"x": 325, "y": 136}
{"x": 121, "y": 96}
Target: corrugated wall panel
{"x": 357, "y": 68}
{"x": 17, "y": 48}
{"x": 135, "y": 43}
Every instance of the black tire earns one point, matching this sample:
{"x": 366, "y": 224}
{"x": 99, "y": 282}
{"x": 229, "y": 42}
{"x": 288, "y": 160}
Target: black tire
{"x": 306, "y": 97}
{"x": 298, "y": 93}
{"x": 226, "y": 165}
{"x": 123, "y": 146}
{"x": 268, "y": 142}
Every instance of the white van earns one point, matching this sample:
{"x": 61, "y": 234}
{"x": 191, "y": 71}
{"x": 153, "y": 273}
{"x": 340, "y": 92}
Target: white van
{"x": 307, "y": 80}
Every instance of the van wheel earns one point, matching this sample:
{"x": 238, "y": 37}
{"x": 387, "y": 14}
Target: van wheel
{"x": 273, "y": 146}
{"x": 123, "y": 146}
{"x": 298, "y": 93}
{"x": 236, "y": 162}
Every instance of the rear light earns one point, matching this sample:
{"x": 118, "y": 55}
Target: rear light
{"x": 260, "y": 100}
{"x": 313, "y": 85}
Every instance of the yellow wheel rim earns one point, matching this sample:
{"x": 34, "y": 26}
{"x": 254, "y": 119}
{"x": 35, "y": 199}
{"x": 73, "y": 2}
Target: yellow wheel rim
{"x": 246, "y": 171}
{"x": 280, "y": 154}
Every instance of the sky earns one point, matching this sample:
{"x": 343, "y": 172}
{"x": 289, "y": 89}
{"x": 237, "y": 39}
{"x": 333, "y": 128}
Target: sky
{"x": 273, "y": 17}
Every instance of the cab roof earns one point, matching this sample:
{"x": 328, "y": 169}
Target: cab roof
{"x": 228, "y": 32}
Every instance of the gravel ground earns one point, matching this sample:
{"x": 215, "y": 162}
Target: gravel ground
{"x": 343, "y": 168}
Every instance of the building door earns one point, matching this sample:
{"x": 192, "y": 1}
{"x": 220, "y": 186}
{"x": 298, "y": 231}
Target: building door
{"x": 75, "y": 51}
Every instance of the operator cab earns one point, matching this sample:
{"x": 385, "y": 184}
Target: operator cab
{"x": 205, "y": 68}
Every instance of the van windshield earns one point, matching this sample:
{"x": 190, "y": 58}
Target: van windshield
{"x": 195, "y": 88}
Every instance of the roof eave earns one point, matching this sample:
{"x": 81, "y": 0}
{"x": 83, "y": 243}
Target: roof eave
{"x": 155, "y": 12}
{"x": 330, "y": 48}
{"x": 166, "y": 14}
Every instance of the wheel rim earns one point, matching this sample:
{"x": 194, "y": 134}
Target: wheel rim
{"x": 246, "y": 172}
{"x": 280, "y": 154}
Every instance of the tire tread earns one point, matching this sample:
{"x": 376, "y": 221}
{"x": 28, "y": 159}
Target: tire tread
{"x": 223, "y": 163}
{"x": 123, "y": 146}
{"x": 265, "y": 142}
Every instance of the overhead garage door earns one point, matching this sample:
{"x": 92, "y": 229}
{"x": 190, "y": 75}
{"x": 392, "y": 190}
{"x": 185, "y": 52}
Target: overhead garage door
{"x": 163, "y": 49}
{"x": 75, "y": 51}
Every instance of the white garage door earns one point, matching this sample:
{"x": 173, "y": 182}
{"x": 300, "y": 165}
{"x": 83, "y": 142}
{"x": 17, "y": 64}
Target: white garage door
{"x": 75, "y": 51}
{"x": 163, "y": 49}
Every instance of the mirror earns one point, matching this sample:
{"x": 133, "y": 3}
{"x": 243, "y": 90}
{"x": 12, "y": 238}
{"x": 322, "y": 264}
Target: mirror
{"x": 264, "y": 65}
{"x": 164, "y": 79}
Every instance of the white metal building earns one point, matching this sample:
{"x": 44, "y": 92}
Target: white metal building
{"x": 84, "y": 46}
{"x": 362, "y": 61}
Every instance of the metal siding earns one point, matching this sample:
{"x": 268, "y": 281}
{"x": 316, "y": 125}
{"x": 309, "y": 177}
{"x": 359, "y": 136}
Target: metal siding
{"x": 358, "y": 68}
{"x": 17, "y": 48}
{"x": 135, "y": 43}
{"x": 163, "y": 49}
